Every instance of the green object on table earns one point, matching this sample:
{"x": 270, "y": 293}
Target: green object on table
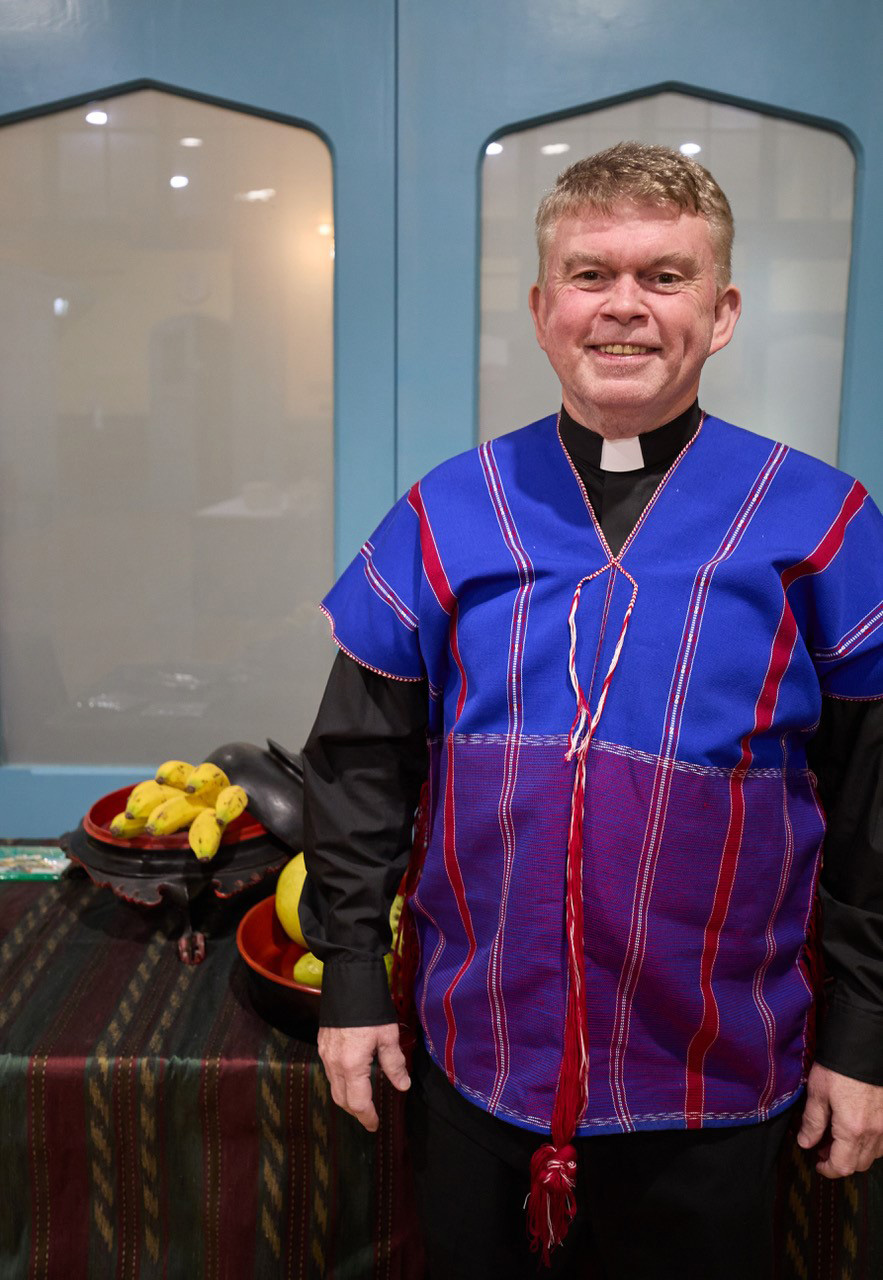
{"x": 32, "y": 862}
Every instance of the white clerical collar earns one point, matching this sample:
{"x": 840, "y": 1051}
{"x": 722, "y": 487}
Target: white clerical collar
{"x": 622, "y": 455}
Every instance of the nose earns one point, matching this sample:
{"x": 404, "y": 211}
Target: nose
{"x": 624, "y": 300}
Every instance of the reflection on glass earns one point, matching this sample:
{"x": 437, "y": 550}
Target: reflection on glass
{"x": 166, "y": 518}
{"x": 791, "y": 188}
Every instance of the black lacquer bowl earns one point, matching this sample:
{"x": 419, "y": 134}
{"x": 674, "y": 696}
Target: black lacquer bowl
{"x": 149, "y": 871}
{"x": 272, "y": 778}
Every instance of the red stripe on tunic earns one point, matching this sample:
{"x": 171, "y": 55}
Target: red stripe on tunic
{"x": 662, "y": 783}
{"x": 432, "y": 565}
{"x": 515, "y": 700}
{"x": 780, "y": 656}
{"x": 438, "y": 581}
{"x": 441, "y": 588}
{"x": 455, "y": 876}
{"x": 819, "y": 559}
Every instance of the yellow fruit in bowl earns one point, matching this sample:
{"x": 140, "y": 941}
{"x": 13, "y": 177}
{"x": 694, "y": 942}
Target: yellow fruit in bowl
{"x": 308, "y": 970}
{"x": 395, "y": 912}
{"x": 289, "y": 887}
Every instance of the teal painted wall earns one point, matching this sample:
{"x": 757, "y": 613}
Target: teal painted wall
{"x": 469, "y": 70}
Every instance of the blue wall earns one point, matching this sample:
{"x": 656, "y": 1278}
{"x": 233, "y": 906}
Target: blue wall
{"x": 407, "y": 92}
{"x": 469, "y": 69}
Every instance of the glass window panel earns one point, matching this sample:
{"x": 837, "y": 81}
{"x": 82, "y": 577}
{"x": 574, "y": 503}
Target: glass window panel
{"x": 791, "y": 188}
{"x": 166, "y": 500}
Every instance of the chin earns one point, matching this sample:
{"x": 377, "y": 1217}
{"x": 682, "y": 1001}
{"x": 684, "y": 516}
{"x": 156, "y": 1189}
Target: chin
{"x": 627, "y": 414}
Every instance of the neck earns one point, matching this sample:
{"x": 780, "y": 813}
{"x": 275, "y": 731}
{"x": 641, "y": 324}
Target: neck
{"x": 623, "y": 425}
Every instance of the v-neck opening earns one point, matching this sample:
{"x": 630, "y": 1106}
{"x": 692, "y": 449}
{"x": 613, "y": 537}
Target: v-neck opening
{"x": 664, "y": 479}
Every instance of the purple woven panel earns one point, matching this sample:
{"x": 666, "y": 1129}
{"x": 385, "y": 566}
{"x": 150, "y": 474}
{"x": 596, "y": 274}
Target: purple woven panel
{"x": 494, "y": 1010}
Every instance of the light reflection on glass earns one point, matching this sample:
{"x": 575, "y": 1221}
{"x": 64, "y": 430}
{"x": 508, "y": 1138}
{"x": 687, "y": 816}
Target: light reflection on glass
{"x": 167, "y": 494}
{"x": 260, "y": 195}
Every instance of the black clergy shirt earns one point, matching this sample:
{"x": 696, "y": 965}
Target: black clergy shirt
{"x": 367, "y": 756}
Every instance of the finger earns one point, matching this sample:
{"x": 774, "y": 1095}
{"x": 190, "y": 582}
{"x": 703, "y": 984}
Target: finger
{"x": 366, "y": 1116}
{"x": 841, "y": 1161}
{"x": 359, "y": 1101}
{"x": 347, "y": 1093}
{"x": 816, "y": 1115}
{"x": 393, "y": 1065}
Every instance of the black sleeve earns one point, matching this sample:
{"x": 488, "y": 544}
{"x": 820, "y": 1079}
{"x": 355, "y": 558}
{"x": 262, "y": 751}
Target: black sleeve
{"x": 364, "y": 764}
{"x": 847, "y": 757}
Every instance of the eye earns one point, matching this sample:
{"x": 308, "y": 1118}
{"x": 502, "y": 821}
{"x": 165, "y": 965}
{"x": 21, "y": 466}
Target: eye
{"x": 666, "y": 277}
{"x": 589, "y": 276}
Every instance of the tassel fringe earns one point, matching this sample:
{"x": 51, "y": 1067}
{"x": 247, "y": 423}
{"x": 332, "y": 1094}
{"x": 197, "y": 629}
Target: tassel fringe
{"x": 551, "y": 1202}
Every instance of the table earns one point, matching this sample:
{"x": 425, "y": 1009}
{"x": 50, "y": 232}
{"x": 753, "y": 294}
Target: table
{"x": 153, "y": 1126}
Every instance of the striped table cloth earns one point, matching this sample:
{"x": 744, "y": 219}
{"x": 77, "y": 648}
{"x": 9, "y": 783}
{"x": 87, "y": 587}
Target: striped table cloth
{"x": 154, "y": 1127}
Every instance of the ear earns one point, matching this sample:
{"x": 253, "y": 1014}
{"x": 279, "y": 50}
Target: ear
{"x": 537, "y": 303}
{"x": 727, "y": 310}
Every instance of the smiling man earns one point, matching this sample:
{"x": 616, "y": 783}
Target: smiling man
{"x": 628, "y": 309}
{"x": 638, "y": 652}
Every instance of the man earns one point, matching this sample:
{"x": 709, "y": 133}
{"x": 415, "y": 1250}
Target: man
{"x": 622, "y": 631}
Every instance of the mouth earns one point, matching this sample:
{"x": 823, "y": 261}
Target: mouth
{"x": 623, "y": 349}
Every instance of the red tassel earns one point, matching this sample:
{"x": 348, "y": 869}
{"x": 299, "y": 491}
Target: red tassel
{"x": 551, "y": 1205}
{"x": 551, "y": 1202}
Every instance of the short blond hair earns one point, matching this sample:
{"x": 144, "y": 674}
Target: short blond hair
{"x": 643, "y": 174}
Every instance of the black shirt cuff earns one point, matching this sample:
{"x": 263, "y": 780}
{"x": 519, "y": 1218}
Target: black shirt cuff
{"x": 851, "y": 1041}
{"x": 355, "y": 993}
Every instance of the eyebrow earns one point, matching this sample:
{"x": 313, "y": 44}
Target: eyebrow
{"x": 583, "y": 261}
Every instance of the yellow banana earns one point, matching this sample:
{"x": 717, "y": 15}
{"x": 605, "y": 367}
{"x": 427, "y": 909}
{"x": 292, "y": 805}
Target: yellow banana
{"x": 204, "y": 777}
{"x": 172, "y": 815}
{"x": 229, "y": 804}
{"x": 124, "y": 827}
{"x": 205, "y": 799}
{"x": 174, "y": 773}
{"x": 144, "y": 798}
{"x": 204, "y": 834}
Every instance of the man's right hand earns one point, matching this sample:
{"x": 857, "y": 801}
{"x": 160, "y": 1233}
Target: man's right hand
{"x": 347, "y": 1054}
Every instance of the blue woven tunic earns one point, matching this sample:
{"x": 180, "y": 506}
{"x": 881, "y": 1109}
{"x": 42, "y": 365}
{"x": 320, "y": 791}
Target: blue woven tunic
{"x": 756, "y": 578}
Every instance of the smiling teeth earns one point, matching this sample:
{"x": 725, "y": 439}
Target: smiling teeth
{"x": 623, "y": 349}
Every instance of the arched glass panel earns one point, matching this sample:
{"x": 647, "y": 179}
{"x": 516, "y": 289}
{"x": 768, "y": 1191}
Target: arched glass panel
{"x": 166, "y": 499}
{"x": 791, "y": 189}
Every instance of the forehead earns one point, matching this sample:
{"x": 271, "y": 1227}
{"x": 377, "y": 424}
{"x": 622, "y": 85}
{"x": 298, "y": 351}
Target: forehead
{"x": 633, "y": 229}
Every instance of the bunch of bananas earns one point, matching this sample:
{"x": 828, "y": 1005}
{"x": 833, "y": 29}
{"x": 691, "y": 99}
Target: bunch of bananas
{"x": 180, "y": 797}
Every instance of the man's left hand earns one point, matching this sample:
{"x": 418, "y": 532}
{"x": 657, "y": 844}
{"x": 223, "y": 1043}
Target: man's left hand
{"x": 844, "y": 1119}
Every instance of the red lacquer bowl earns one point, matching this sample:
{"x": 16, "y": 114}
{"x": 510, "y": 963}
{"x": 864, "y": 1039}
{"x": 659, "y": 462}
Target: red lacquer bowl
{"x": 270, "y": 956}
{"x": 97, "y": 824}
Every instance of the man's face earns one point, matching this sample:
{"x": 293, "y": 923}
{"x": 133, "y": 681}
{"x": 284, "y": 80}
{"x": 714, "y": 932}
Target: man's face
{"x": 629, "y": 313}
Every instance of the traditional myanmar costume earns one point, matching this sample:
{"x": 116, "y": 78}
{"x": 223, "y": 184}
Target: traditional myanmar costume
{"x": 624, "y": 830}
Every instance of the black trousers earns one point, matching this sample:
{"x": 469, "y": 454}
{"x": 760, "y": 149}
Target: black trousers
{"x": 664, "y": 1205}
